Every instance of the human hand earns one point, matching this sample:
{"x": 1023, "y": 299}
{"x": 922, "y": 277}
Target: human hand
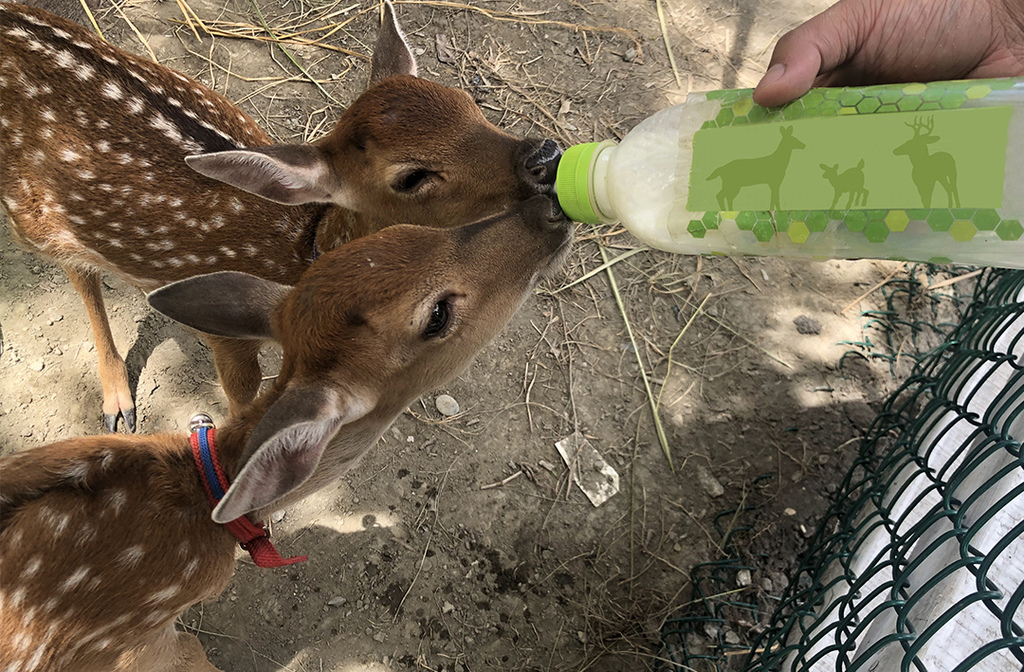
{"x": 880, "y": 41}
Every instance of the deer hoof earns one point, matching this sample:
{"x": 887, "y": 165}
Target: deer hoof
{"x": 110, "y": 420}
{"x": 129, "y": 419}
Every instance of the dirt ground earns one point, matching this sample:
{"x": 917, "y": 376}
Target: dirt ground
{"x": 414, "y": 563}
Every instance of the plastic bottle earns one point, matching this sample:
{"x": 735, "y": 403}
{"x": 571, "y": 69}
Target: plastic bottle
{"x": 920, "y": 172}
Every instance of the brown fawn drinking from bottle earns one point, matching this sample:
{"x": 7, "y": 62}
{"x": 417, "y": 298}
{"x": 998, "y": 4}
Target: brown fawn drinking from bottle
{"x": 106, "y": 540}
{"x": 93, "y": 151}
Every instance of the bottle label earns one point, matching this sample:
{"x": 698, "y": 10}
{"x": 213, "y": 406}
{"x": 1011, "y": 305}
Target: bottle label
{"x": 896, "y": 160}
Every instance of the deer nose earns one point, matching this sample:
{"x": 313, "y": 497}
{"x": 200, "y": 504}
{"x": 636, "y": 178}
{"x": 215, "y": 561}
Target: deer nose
{"x": 543, "y": 162}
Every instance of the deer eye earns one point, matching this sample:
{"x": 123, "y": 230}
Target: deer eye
{"x": 412, "y": 181}
{"x": 440, "y": 317}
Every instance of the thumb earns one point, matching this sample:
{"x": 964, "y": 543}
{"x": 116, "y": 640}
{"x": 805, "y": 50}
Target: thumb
{"x": 811, "y": 49}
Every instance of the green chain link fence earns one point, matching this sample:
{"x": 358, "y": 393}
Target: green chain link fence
{"x": 919, "y": 563}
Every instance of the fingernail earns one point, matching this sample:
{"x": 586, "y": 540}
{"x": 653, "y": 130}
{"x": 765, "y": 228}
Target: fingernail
{"x": 773, "y": 75}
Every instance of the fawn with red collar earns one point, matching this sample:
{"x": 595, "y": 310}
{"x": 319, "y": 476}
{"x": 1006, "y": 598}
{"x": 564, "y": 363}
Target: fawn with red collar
{"x": 110, "y": 162}
{"x": 106, "y": 540}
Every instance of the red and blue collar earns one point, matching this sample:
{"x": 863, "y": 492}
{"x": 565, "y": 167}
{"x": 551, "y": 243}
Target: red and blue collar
{"x": 253, "y": 537}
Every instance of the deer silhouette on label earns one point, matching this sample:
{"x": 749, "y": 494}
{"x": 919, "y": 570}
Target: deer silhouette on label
{"x": 929, "y": 168}
{"x": 850, "y": 181}
{"x": 768, "y": 170}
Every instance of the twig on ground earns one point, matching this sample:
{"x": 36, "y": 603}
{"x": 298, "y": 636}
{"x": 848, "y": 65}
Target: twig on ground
{"x": 899, "y": 267}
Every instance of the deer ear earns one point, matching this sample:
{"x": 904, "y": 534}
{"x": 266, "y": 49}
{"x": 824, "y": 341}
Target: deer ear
{"x": 288, "y": 174}
{"x": 822, "y": 166}
{"x": 229, "y": 303}
{"x": 391, "y": 54}
{"x": 285, "y": 446}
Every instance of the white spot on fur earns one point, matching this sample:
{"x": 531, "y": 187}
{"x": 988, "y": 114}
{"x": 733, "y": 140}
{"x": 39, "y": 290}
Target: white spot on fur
{"x": 165, "y": 594}
{"x": 85, "y": 174}
{"x": 76, "y": 578}
{"x": 65, "y": 59}
{"x": 60, "y": 33}
{"x": 123, "y": 158}
{"x": 84, "y": 72}
{"x": 77, "y": 472}
{"x": 130, "y": 556}
{"x": 33, "y": 662}
{"x": 112, "y": 90}
{"x": 31, "y": 567}
{"x": 175, "y": 262}
{"x": 61, "y": 523}
{"x": 135, "y": 105}
{"x": 18, "y": 597}
{"x": 161, "y": 123}
{"x": 85, "y": 533}
{"x": 48, "y": 115}
{"x": 69, "y": 155}
{"x": 18, "y": 32}
{"x": 162, "y": 246}
{"x": 236, "y": 205}
{"x": 82, "y": 45}
{"x": 250, "y": 250}
{"x": 228, "y": 252}
{"x": 116, "y": 499}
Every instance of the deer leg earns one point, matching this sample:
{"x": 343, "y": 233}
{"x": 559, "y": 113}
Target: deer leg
{"x": 117, "y": 395}
{"x": 170, "y": 651}
{"x": 238, "y": 366}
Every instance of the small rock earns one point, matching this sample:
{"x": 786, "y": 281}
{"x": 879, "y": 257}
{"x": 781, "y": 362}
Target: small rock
{"x": 630, "y": 55}
{"x": 379, "y": 637}
{"x": 277, "y": 516}
{"x": 26, "y": 432}
{"x": 446, "y": 405}
{"x": 336, "y": 601}
{"x": 805, "y": 324}
{"x": 743, "y": 578}
{"x": 732, "y": 638}
{"x": 447, "y": 608}
{"x": 709, "y": 483}
{"x": 789, "y": 511}
{"x": 410, "y": 439}
{"x": 37, "y": 365}
{"x": 766, "y": 583}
